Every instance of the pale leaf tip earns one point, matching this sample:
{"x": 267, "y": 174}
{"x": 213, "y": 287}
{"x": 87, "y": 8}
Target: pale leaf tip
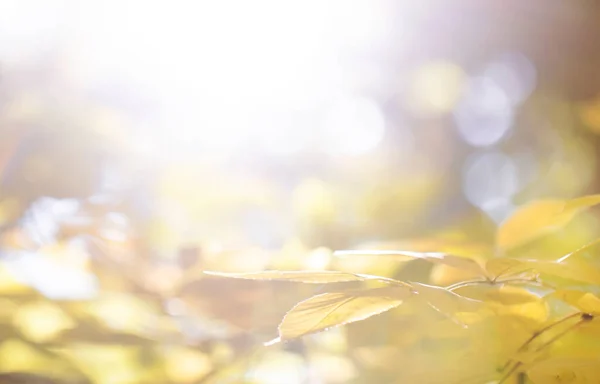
{"x": 213, "y": 273}
{"x": 272, "y": 342}
{"x": 345, "y": 252}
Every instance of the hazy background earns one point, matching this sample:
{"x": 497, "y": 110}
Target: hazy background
{"x": 144, "y": 141}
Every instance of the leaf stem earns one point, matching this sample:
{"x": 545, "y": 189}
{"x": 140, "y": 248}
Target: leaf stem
{"x": 538, "y": 333}
{"x": 509, "y": 373}
{"x": 384, "y": 279}
{"x": 469, "y": 283}
{"x": 584, "y": 319}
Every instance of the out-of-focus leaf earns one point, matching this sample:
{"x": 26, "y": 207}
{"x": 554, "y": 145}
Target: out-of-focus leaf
{"x": 25, "y": 378}
{"x": 579, "y": 251}
{"x": 500, "y": 266}
{"x": 120, "y": 312}
{"x": 186, "y": 365}
{"x": 19, "y": 356}
{"x": 572, "y": 370}
{"x": 337, "y": 308}
{"x": 508, "y": 295}
{"x": 584, "y": 301}
{"x": 96, "y": 334}
{"x": 311, "y": 277}
{"x": 41, "y": 321}
{"x": 566, "y": 270}
{"x": 107, "y": 363}
{"x": 536, "y": 311}
{"x": 458, "y": 262}
{"x": 539, "y": 218}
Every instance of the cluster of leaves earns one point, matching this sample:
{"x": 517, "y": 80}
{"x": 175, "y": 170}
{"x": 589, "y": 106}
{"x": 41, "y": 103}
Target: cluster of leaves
{"x": 514, "y": 320}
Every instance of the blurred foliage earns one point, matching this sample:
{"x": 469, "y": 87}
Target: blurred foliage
{"x": 525, "y": 301}
{"x": 107, "y": 226}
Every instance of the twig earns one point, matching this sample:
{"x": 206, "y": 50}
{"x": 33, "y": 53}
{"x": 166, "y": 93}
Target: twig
{"x": 539, "y": 333}
{"x": 584, "y": 319}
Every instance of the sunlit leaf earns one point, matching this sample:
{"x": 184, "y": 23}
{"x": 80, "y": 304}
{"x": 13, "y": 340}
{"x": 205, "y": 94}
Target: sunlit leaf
{"x": 41, "y": 321}
{"x": 107, "y": 363}
{"x": 500, "y": 266}
{"x": 579, "y": 251}
{"x": 312, "y": 277}
{"x": 509, "y": 295}
{"x": 579, "y": 272}
{"x": 540, "y": 218}
{"x": 458, "y": 262}
{"x": 125, "y": 313}
{"x": 16, "y": 355}
{"x": 536, "y": 311}
{"x": 572, "y": 370}
{"x": 337, "y": 308}
{"x": 186, "y": 365}
{"x": 584, "y": 301}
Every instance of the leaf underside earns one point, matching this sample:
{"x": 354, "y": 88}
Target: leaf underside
{"x": 338, "y": 308}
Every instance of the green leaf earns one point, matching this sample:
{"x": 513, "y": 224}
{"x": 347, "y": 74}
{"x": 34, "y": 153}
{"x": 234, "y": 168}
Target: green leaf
{"x": 540, "y": 218}
{"x": 338, "y": 308}
{"x": 458, "y": 262}
{"x": 311, "y": 277}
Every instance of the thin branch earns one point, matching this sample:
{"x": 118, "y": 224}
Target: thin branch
{"x": 467, "y": 283}
{"x": 509, "y": 373}
{"x": 539, "y": 333}
{"x": 584, "y": 319}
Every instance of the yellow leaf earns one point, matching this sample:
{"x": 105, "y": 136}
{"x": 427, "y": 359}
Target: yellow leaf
{"x": 311, "y": 277}
{"x": 540, "y": 218}
{"x": 566, "y": 370}
{"x": 508, "y": 295}
{"x": 106, "y": 364}
{"x": 458, "y": 262}
{"x": 579, "y": 251}
{"x": 41, "y": 321}
{"x": 16, "y": 355}
{"x": 584, "y": 301}
{"x": 445, "y": 301}
{"x": 567, "y": 270}
{"x": 337, "y": 308}
{"x": 443, "y": 275}
{"x": 500, "y": 266}
{"x": 186, "y": 365}
{"x": 536, "y": 311}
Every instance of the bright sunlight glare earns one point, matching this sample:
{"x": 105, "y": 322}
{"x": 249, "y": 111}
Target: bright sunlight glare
{"x": 224, "y": 69}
